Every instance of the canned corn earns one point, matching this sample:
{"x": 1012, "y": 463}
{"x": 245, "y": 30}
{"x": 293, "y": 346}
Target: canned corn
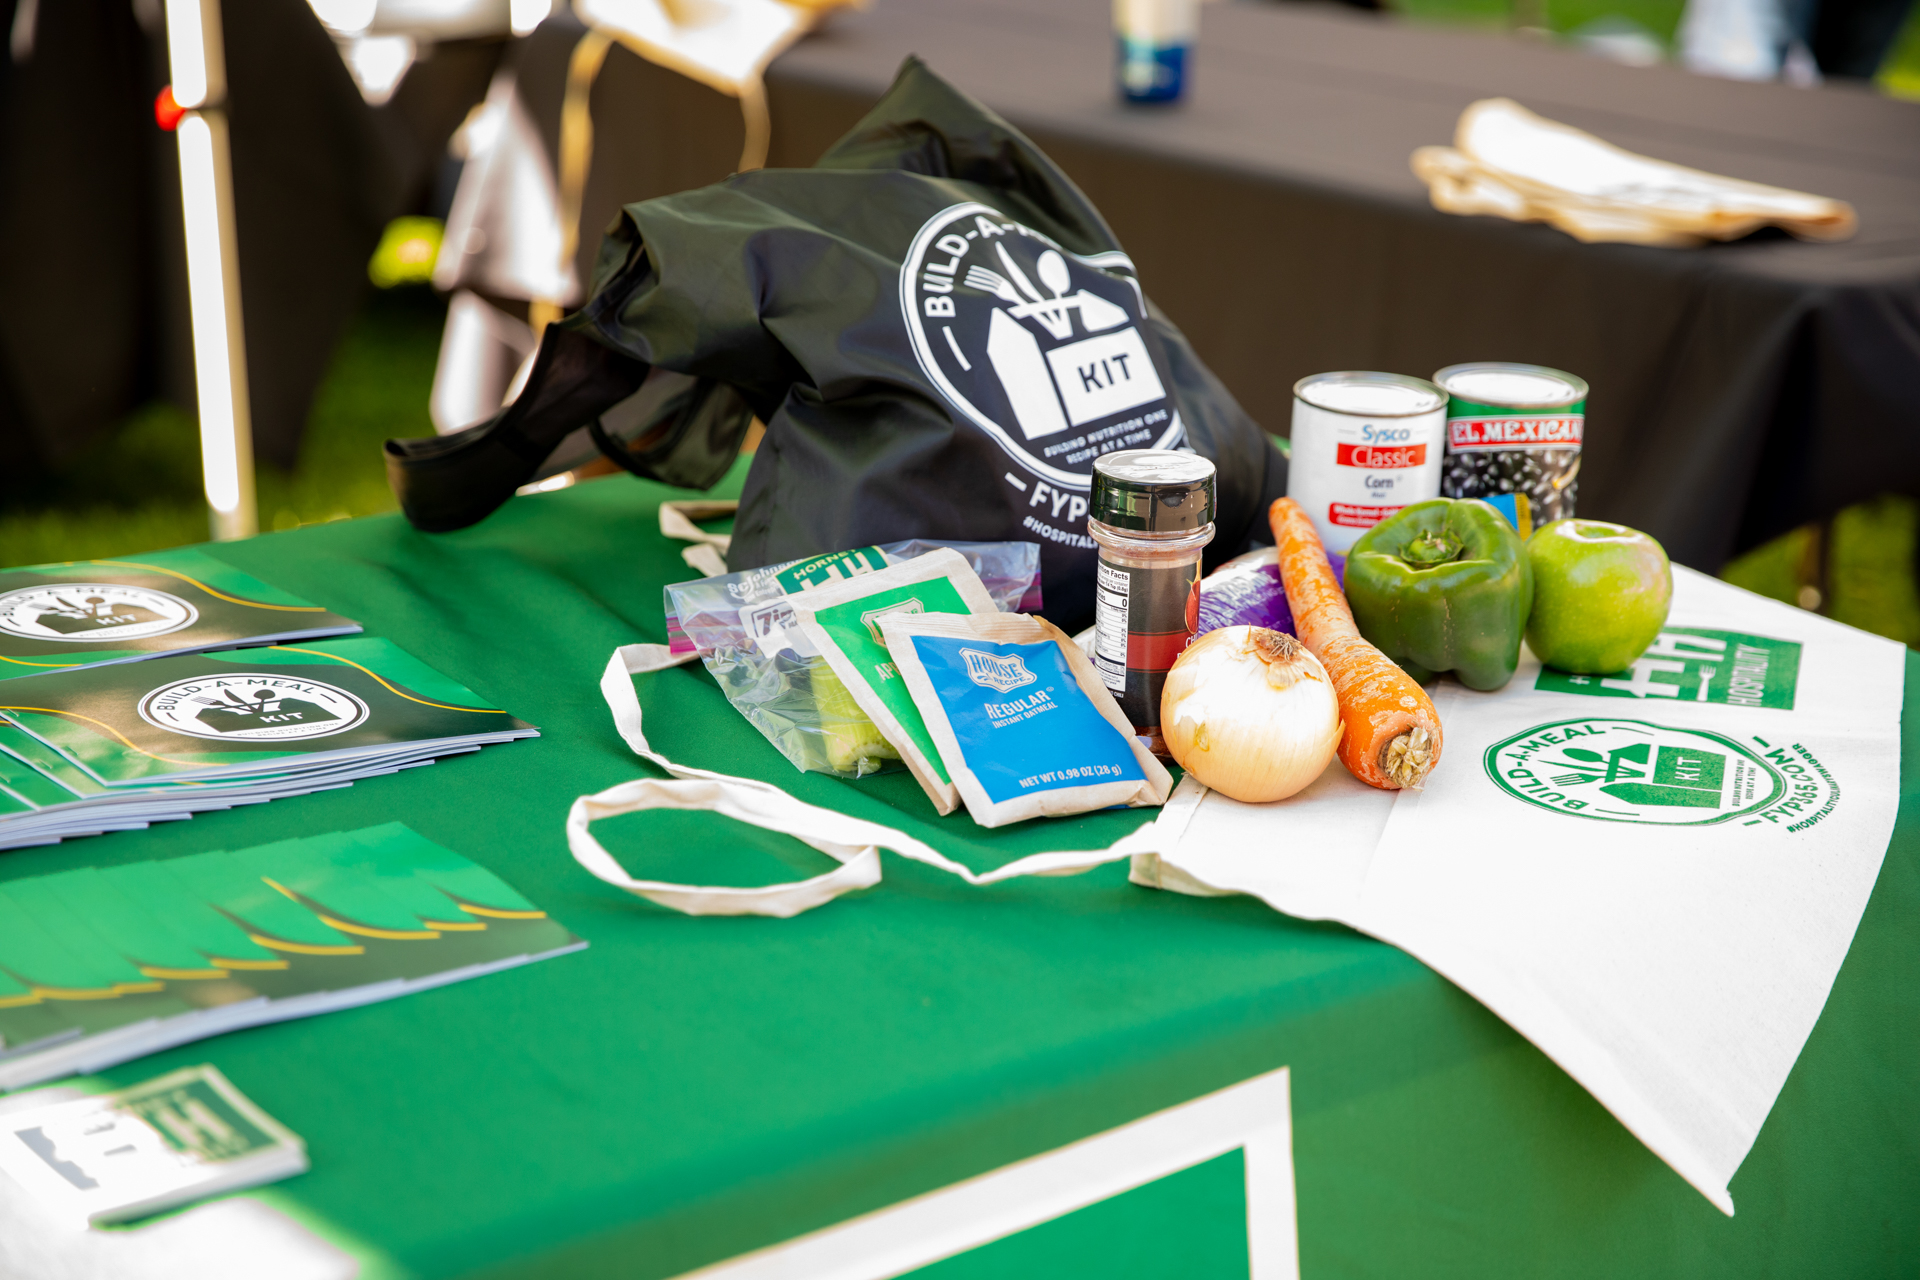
{"x": 1364, "y": 446}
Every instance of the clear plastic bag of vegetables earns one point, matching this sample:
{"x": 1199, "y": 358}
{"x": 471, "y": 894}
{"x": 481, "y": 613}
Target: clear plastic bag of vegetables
{"x": 740, "y": 624}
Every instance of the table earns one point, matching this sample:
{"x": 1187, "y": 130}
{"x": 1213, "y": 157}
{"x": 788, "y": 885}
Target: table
{"x": 1738, "y": 391}
{"x": 688, "y": 1089}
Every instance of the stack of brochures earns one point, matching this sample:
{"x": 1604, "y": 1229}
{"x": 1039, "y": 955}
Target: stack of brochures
{"x": 87, "y": 613}
{"x": 100, "y": 965}
{"x": 114, "y": 747}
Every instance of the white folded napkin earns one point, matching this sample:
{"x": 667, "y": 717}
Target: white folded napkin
{"x": 1509, "y": 162}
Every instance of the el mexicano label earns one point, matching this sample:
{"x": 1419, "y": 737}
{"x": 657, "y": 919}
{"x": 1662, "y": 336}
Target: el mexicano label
{"x": 1621, "y": 770}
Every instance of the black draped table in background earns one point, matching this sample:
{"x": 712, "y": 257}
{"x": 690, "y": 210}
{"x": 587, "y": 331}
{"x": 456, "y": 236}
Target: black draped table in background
{"x": 1738, "y": 390}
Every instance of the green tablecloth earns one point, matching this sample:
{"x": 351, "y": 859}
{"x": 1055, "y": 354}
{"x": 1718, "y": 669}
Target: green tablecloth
{"x": 689, "y": 1089}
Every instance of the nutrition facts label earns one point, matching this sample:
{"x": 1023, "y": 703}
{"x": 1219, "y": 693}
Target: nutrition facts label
{"x": 1112, "y": 599}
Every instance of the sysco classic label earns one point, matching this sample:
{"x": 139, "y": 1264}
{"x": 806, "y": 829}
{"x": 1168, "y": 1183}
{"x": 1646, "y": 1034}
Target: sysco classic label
{"x": 1351, "y": 471}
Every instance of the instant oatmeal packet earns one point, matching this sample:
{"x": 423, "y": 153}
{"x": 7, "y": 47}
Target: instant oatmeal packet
{"x": 842, "y": 621}
{"x": 1022, "y": 720}
{"x": 741, "y": 626}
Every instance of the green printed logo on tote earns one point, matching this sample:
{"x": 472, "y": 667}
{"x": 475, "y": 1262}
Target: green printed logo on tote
{"x": 1697, "y": 664}
{"x": 1636, "y": 771}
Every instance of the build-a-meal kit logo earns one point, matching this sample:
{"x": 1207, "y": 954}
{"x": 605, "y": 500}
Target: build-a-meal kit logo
{"x": 252, "y": 706}
{"x": 93, "y": 611}
{"x": 1040, "y": 348}
{"x": 1617, "y": 770}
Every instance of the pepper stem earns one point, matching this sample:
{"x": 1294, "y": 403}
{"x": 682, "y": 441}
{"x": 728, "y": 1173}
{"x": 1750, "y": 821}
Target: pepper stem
{"x": 1434, "y": 547}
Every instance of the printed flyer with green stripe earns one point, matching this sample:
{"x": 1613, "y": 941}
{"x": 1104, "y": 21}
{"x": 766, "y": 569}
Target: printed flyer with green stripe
{"x": 87, "y": 613}
{"x": 99, "y": 965}
{"x": 118, "y": 747}
{"x": 200, "y": 717}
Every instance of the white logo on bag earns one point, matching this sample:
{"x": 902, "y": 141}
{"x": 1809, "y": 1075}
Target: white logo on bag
{"x": 79, "y": 612}
{"x": 1038, "y": 347}
{"x": 872, "y": 617}
{"x": 252, "y": 706}
{"x": 991, "y": 671}
{"x": 770, "y": 623}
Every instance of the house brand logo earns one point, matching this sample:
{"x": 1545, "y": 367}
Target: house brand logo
{"x": 1040, "y": 348}
{"x": 1635, "y": 771}
{"x": 92, "y": 612}
{"x": 991, "y": 671}
{"x": 252, "y": 706}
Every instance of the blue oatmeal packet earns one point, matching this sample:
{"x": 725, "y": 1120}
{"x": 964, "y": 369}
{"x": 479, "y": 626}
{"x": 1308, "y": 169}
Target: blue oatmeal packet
{"x": 1022, "y": 721}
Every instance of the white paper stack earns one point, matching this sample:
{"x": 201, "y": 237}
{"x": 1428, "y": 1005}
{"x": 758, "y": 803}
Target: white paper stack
{"x": 1510, "y": 163}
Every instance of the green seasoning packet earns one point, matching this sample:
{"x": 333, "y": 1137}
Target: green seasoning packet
{"x": 211, "y": 717}
{"x": 842, "y": 617}
{"x": 85, "y": 613}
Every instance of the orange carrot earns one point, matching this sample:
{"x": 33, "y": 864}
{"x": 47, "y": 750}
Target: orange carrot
{"x": 1392, "y": 737}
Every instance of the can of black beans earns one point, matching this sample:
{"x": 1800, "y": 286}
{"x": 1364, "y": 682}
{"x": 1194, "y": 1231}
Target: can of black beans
{"x": 1514, "y": 429}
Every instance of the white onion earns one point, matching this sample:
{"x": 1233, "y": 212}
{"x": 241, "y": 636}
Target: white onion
{"x": 1250, "y": 713}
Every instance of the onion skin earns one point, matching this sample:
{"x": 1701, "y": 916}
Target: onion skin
{"x": 1250, "y": 713}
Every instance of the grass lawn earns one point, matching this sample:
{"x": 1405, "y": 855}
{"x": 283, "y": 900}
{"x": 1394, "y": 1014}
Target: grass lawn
{"x": 376, "y": 388}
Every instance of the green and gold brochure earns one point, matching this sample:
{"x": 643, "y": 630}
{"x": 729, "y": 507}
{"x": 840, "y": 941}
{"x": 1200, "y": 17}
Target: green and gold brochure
{"x": 100, "y": 965}
{"x": 44, "y": 797}
{"x": 115, "y": 1156}
{"x": 117, "y": 747}
{"x": 88, "y": 613}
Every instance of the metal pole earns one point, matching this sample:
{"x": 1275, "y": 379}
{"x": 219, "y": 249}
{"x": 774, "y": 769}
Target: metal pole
{"x": 198, "y": 65}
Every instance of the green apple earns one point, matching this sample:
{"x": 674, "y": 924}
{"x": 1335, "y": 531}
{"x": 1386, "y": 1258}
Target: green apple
{"x": 1600, "y": 595}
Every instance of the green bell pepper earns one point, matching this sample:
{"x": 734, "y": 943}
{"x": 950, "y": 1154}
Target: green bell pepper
{"x": 1444, "y": 586}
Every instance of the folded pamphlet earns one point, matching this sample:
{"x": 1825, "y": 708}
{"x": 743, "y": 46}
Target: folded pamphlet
{"x": 89, "y": 613}
{"x": 115, "y": 1156}
{"x": 1510, "y": 163}
{"x": 118, "y": 747}
{"x": 100, "y": 965}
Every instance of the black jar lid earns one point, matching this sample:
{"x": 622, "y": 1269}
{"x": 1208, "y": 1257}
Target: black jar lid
{"x": 1153, "y": 490}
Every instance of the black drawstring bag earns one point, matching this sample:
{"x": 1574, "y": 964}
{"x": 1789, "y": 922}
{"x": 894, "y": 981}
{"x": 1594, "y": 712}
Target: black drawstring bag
{"x": 937, "y": 328}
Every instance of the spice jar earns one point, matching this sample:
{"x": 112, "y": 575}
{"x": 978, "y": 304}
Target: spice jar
{"x": 1152, "y": 516}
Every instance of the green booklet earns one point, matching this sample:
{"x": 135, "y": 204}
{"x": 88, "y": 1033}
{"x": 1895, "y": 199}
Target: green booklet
{"x": 281, "y": 709}
{"x": 116, "y": 748}
{"x": 85, "y": 613}
{"x": 99, "y": 965}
